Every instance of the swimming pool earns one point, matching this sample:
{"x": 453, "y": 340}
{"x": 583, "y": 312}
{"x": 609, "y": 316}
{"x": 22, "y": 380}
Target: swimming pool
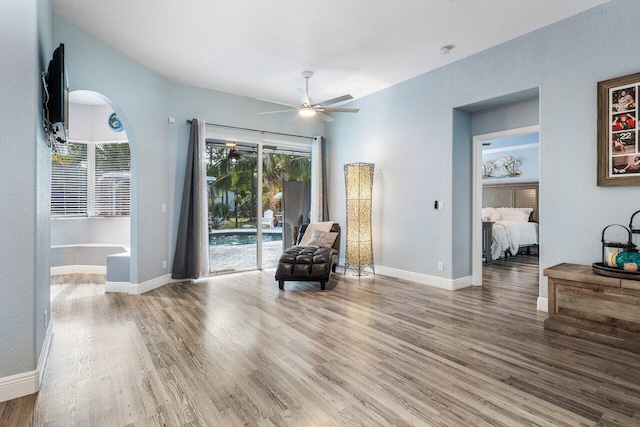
{"x": 242, "y": 239}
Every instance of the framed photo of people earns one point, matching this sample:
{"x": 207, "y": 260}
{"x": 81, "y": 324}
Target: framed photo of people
{"x": 618, "y": 131}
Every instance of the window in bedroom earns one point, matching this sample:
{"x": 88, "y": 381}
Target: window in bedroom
{"x": 91, "y": 180}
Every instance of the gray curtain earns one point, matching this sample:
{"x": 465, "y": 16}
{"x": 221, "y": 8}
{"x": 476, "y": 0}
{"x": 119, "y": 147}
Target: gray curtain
{"x": 325, "y": 199}
{"x": 191, "y": 258}
{"x": 319, "y": 209}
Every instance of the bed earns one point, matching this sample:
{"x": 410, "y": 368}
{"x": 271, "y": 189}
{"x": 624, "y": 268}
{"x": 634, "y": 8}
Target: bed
{"x": 512, "y": 230}
{"x": 513, "y": 209}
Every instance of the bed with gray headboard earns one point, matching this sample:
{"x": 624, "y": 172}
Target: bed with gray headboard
{"x": 508, "y": 206}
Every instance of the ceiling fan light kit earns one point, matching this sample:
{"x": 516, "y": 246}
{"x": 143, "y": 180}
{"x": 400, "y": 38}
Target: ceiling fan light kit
{"x": 306, "y": 109}
{"x": 307, "y": 112}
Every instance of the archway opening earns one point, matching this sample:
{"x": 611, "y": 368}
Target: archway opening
{"x": 91, "y": 197}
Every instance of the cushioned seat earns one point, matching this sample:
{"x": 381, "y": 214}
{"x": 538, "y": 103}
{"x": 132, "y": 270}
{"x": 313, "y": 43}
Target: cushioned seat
{"x": 308, "y": 263}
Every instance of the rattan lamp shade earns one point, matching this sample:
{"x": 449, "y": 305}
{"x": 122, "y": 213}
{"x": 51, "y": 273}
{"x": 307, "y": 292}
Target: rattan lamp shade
{"x": 358, "y": 178}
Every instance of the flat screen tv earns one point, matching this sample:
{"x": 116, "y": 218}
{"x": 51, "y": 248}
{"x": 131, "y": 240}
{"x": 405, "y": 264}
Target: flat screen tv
{"x": 56, "y": 104}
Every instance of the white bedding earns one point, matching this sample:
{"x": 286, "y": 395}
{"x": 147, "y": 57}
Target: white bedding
{"x": 512, "y": 235}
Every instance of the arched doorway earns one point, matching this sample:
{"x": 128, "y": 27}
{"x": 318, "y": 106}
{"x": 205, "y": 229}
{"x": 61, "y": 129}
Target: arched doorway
{"x": 91, "y": 197}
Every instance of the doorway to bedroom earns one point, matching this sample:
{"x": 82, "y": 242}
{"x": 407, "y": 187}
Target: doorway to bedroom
{"x": 507, "y": 207}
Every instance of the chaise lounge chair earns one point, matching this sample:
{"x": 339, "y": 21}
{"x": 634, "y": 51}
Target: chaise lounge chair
{"x": 310, "y": 262}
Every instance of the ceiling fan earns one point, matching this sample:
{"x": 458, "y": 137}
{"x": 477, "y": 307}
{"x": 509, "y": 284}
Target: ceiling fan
{"x": 307, "y": 109}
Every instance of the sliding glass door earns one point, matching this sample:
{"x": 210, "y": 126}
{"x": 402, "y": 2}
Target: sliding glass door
{"x": 285, "y": 182}
{"x": 232, "y": 182}
{"x": 248, "y": 202}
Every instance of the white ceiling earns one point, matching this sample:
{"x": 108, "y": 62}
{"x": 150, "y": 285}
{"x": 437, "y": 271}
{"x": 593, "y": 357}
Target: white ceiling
{"x": 258, "y": 48}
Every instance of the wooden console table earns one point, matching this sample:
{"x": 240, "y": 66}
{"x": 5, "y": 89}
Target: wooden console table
{"x": 593, "y": 307}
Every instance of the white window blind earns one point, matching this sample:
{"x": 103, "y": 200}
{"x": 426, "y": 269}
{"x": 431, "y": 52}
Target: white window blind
{"x": 112, "y": 194}
{"x": 69, "y": 181}
{"x": 91, "y": 180}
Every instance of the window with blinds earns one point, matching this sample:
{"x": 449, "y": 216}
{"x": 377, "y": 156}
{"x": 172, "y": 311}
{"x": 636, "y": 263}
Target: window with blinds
{"x": 69, "y": 174}
{"x": 112, "y": 180}
{"x": 91, "y": 180}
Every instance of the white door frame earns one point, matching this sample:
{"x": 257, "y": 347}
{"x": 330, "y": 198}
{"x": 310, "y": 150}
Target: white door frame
{"x": 476, "y": 203}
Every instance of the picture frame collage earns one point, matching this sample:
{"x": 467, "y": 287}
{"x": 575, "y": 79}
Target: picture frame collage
{"x": 619, "y": 131}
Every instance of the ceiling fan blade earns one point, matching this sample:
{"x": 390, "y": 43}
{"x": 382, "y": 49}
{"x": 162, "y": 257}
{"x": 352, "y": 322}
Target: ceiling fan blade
{"x": 304, "y": 97}
{"x": 294, "y": 118}
{"x": 275, "y": 102}
{"x": 336, "y": 100}
{"x": 279, "y": 111}
{"x": 324, "y": 117}
{"x": 342, "y": 110}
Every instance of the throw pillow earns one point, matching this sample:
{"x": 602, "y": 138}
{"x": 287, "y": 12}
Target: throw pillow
{"x": 491, "y": 213}
{"x": 322, "y": 239}
{"x": 515, "y": 214}
{"x": 322, "y": 226}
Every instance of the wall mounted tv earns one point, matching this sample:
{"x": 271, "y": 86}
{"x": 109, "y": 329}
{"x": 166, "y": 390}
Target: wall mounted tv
{"x": 56, "y": 98}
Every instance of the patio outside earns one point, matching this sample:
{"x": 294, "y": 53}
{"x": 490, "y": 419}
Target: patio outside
{"x": 230, "y": 256}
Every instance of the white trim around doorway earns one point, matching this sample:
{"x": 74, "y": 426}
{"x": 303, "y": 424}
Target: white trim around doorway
{"x": 476, "y": 203}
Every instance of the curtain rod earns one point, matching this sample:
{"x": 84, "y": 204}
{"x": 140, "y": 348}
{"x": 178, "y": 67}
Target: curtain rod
{"x": 256, "y": 130}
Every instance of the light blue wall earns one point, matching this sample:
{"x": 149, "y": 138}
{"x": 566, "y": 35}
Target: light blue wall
{"x": 509, "y": 116}
{"x": 407, "y": 130}
{"x": 84, "y": 255}
{"x": 144, "y": 101}
{"x": 96, "y": 231}
{"x": 43, "y": 184}
{"x": 462, "y": 183}
{"x": 24, "y": 288}
{"x": 139, "y": 98}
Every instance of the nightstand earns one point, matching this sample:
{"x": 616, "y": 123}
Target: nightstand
{"x": 487, "y": 239}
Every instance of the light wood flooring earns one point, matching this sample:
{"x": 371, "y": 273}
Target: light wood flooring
{"x": 377, "y": 351}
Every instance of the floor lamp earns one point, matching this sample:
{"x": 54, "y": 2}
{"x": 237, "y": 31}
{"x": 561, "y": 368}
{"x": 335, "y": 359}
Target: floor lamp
{"x": 358, "y": 179}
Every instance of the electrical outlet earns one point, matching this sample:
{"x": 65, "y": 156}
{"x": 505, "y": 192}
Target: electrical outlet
{"x": 164, "y": 208}
{"x": 164, "y": 264}
{"x": 172, "y": 119}
{"x": 46, "y": 318}
{"x": 440, "y": 266}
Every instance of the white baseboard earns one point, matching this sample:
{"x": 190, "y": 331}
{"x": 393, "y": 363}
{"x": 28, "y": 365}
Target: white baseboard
{"x": 425, "y": 279}
{"x": 44, "y": 353}
{"x": 117, "y": 287}
{"x": 78, "y": 269}
{"x": 462, "y": 282}
{"x": 19, "y": 385}
{"x": 26, "y": 383}
{"x": 138, "y": 288}
{"x": 543, "y": 304}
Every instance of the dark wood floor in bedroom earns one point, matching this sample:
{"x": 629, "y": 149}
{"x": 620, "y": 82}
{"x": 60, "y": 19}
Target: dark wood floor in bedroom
{"x": 375, "y": 351}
